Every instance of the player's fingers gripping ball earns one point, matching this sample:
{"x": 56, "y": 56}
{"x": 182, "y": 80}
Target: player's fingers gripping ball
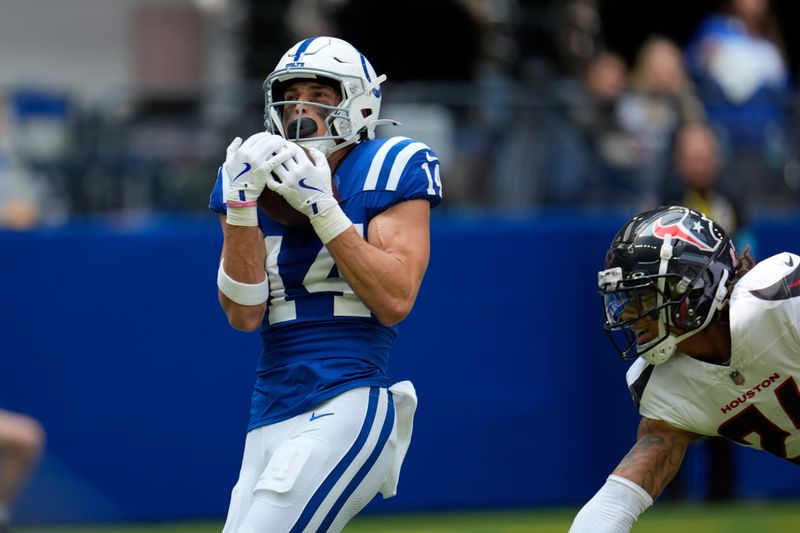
{"x": 305, "y": 181}
{"x": 277, "y": 208}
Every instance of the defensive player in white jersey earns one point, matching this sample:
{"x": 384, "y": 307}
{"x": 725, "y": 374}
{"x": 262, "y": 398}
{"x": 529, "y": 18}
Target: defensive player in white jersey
{"x": 328, "y": 428}
{"x": 716, "y": 340}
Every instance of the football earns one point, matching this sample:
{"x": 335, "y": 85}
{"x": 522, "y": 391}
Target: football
{"x": 278, "y": 209}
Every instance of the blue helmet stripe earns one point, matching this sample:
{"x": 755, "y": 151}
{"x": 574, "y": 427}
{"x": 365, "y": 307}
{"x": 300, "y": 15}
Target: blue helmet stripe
{"x": 364, "y": 66}
{"x": 303, "y": 46}
{"x": 376, "y": 91}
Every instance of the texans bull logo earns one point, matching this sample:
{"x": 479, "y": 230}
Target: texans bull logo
{"x": 698, "y": 235}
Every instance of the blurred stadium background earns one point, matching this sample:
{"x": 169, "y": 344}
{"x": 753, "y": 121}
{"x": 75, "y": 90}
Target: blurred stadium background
{"x": 114, "y": 119}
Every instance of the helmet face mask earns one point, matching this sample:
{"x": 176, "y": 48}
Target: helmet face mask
{"x": 302, "y": 127}
{"x": 666, "y": 268}
{"x": 337, "y": 64}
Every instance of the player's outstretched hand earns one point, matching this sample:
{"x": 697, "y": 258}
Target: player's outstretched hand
{"x": 304, "y": 183}
{"x": 247, "y": 165}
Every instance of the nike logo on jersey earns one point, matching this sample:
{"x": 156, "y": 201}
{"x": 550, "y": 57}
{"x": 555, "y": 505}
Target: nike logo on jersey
{"x": 247, "y": 168}
{"x": 302, "y": 183}
{"x": 790, "y": 262}
{"x": 315, "y": 416}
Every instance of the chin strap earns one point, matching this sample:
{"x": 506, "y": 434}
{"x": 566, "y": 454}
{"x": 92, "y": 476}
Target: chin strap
{"x": 665, "y": 347}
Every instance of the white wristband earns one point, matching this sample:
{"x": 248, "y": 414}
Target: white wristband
{"x": 242, "y": 216}
{"x": 330, "y": 224}
{"x": 613, "y": 509}
{"x": 240, "y": 211}
{"x": 242, "y": 293}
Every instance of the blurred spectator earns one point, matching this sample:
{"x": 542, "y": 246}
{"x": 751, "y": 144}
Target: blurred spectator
{"x": 614, "y": 153}
{"x": 694, "y": 181}
{"x": 738, "y": 60}
{"x": 35, "y": 138}
{"x": 697, "y": 165}
{"x": 19, "y": 191}
{"x": 544, "y": 157}
{"x": 660, "y": 99}
{"x": 578, "y": 37}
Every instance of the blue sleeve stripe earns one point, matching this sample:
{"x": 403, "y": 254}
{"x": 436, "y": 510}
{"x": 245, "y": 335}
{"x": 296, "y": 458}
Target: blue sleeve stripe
{"x": 400, "y": 163}
{"x": 371, "y": 182}
{"x": 217, "y": 200}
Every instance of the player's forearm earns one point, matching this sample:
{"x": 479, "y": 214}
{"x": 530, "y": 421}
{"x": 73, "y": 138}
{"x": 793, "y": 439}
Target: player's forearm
{"x": 243, "y": 256}
{"x": 379, "y": 278}
{"x": 655, "y": 458}
{"x": 243, "y": 253}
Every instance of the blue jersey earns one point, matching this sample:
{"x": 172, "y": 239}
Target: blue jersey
{"x": 318, "y": 338}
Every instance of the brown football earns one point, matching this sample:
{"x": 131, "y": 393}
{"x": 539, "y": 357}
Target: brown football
{"x": 278, "y": 209}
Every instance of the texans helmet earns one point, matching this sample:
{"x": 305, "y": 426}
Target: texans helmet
{"x": 673, "y": 265}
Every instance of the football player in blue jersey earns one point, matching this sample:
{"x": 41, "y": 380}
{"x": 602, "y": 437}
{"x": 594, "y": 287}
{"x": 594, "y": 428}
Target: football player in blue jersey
{"x": 329, "y": 428}
{"x": 21, "y": 443}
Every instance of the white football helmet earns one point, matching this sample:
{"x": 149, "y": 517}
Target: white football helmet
{"x": 333, "y": 62}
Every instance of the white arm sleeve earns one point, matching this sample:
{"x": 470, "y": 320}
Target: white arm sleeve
{"x": 613, "y": 509}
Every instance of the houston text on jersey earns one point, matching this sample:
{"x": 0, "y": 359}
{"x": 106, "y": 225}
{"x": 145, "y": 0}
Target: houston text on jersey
{"x": 751, "y": 393}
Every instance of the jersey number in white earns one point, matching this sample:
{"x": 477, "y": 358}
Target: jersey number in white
{"x": 316, "y": 280}
{"x": 433, "y": 178}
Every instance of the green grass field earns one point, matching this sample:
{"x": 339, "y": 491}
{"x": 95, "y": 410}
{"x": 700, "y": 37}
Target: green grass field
{"x": 737, "y": 518}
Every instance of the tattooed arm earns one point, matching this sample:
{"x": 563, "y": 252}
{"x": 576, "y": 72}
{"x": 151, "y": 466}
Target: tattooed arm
{"x": 637, "y": 481}
{"x": 656, "y": 457}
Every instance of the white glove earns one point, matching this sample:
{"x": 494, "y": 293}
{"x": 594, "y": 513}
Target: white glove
{"x": 245, "y": 171}
{"x": 306, "y": 185}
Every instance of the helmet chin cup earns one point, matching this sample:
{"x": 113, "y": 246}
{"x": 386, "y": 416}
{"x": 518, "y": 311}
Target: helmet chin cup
{"x": 326, "y": 146}
{"x": 662, "y": 351}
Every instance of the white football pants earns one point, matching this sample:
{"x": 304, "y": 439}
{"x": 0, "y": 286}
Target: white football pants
{"x": 314, "y": 472}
